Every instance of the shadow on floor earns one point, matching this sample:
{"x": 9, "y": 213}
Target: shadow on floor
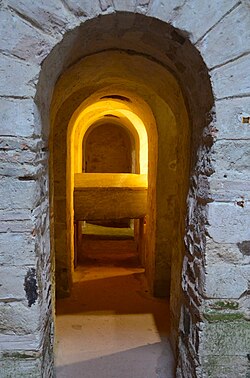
{"x": 110, "y": 326}
{"x": 150, "y": 361}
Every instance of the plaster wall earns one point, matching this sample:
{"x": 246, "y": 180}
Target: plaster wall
{"x": 38, "y": 43}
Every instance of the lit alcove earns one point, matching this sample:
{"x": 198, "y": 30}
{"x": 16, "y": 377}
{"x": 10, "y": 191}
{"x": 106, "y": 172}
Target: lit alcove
{"x": 110, "y": 194}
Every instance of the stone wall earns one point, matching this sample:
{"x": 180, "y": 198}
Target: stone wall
{"x": 214, "y": 324}
{"x": 108, "y": 149}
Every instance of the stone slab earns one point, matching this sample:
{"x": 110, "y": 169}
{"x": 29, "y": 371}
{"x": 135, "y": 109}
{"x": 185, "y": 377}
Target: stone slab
{"x": 233, "y": 32}
{"x": 84, "y": 8}
{"x": 228, "y": 222}
{"x": 225, "y": 280}
{"x": 17, "y": 117}
{"x": 21, "y": 39}
{"x": 125, "y": 5}
{"x": 231, "y": 160}
{"x": 12, "y": 282}
{"x": 229, "y": 118}
{"x": 230, "y": 338}
{"x": 17, "y": 194}
{"x": 229, "y": 189}
{"x": 52, "y": 16}
{"x": 224, "y": 253}
{"x": 226, "y": 366}
{"x": 232, "y": 79}
{"x": 17, "y": 249}
{"x": 17, "y": 318}
{"x": 180, "y": 13}
{"x": 18, "y": 78}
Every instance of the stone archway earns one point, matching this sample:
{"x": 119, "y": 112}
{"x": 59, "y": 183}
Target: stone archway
{"x": 26, "y": 100}
{"x": 173, "y": 125}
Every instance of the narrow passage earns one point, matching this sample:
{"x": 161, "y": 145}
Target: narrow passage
{"x": 111, "y": 327}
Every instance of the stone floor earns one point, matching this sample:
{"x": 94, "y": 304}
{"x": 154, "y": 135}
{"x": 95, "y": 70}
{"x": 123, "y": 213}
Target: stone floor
{"x": 111, "y": 327}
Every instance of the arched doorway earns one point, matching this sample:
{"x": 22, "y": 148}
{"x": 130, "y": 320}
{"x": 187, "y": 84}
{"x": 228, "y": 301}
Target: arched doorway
{"x": 168, "y": 181}
{"x": 48, "y": 40}
{"x": 149, "y": 101}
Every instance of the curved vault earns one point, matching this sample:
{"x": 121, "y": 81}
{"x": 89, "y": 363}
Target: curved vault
{"x": 94, "y": 112}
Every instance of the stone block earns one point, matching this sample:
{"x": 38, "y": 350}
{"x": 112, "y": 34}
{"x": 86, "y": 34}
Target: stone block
{"x": 125, "y": 5}
{"x": 17, "y": 157}
{"x": 18, "y": 194}
{"x": 227, "y": 253}
{"x": 232, "y": 79}
{"x": 229, "y": 117}
{"x": 228, "y": 222}
{"x": 52, "y": 17}
{"x": 218, "y": 338}
{"x": 12, "y": 282}
{"x": 21, "y": 39}
{"x": 226, "y": 280}
{"x": 226, "y": 189}
{"x": 17, "y": 249}
{"x": 17, "y": 118}
{"x": 21, "y": 171}
{"x": 19, "y": 319}
{"x": 19, "y": 365}
{"x": 18, "y": 78}
{"x": 84, "y": 8}
{"x": 231, "y": 159}
{"x": 233, "y": 31}
{"x": 106, "y": 5}
{"x": 17, "y": 226}
{"x": 225, "y": 366}
{"x": 179, "y": 14}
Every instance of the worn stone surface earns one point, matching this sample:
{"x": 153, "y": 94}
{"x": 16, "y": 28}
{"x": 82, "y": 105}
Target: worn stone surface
{"x": 21, "y": 40}
{"x": 84, "y": 8}
{"x": 218, "y": 336}
{"x": 180, "y": 13}
{"x": 231, "y": 80}
{"x": 226, "y": 281}
{"x": 223, "y": 34}
{"x": 17, "y": 249}
{"x": 234, "y": 216}
{"x": 226, "y": 367}
{"x": 231, "y": 160}
{"x": 18, "y": 194}
{"x": 20, "y": 365}
{"x": 217, "y": 252}
{"x": 19, "y": 318}
{"x": 17, "y": 117}
{"x": 229, "y": 118}
{"x": 53, "y": 18}
{"x": 125, "y": 5}
{"x": 18, "y": 78}
{"x": 31, "y": 60}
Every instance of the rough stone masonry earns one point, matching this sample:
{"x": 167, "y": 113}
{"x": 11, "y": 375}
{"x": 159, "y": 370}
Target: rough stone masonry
{"x": 206, "y": 46}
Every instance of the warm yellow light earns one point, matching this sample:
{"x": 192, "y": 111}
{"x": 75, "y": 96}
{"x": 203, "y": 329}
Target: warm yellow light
{"x": 96, "y": 111}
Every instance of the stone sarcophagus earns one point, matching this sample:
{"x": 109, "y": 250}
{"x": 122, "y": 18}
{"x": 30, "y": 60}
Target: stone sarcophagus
{"x": 100, "y": 196}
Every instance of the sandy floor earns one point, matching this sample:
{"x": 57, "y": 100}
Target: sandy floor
{"x": 111, "y": 327}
